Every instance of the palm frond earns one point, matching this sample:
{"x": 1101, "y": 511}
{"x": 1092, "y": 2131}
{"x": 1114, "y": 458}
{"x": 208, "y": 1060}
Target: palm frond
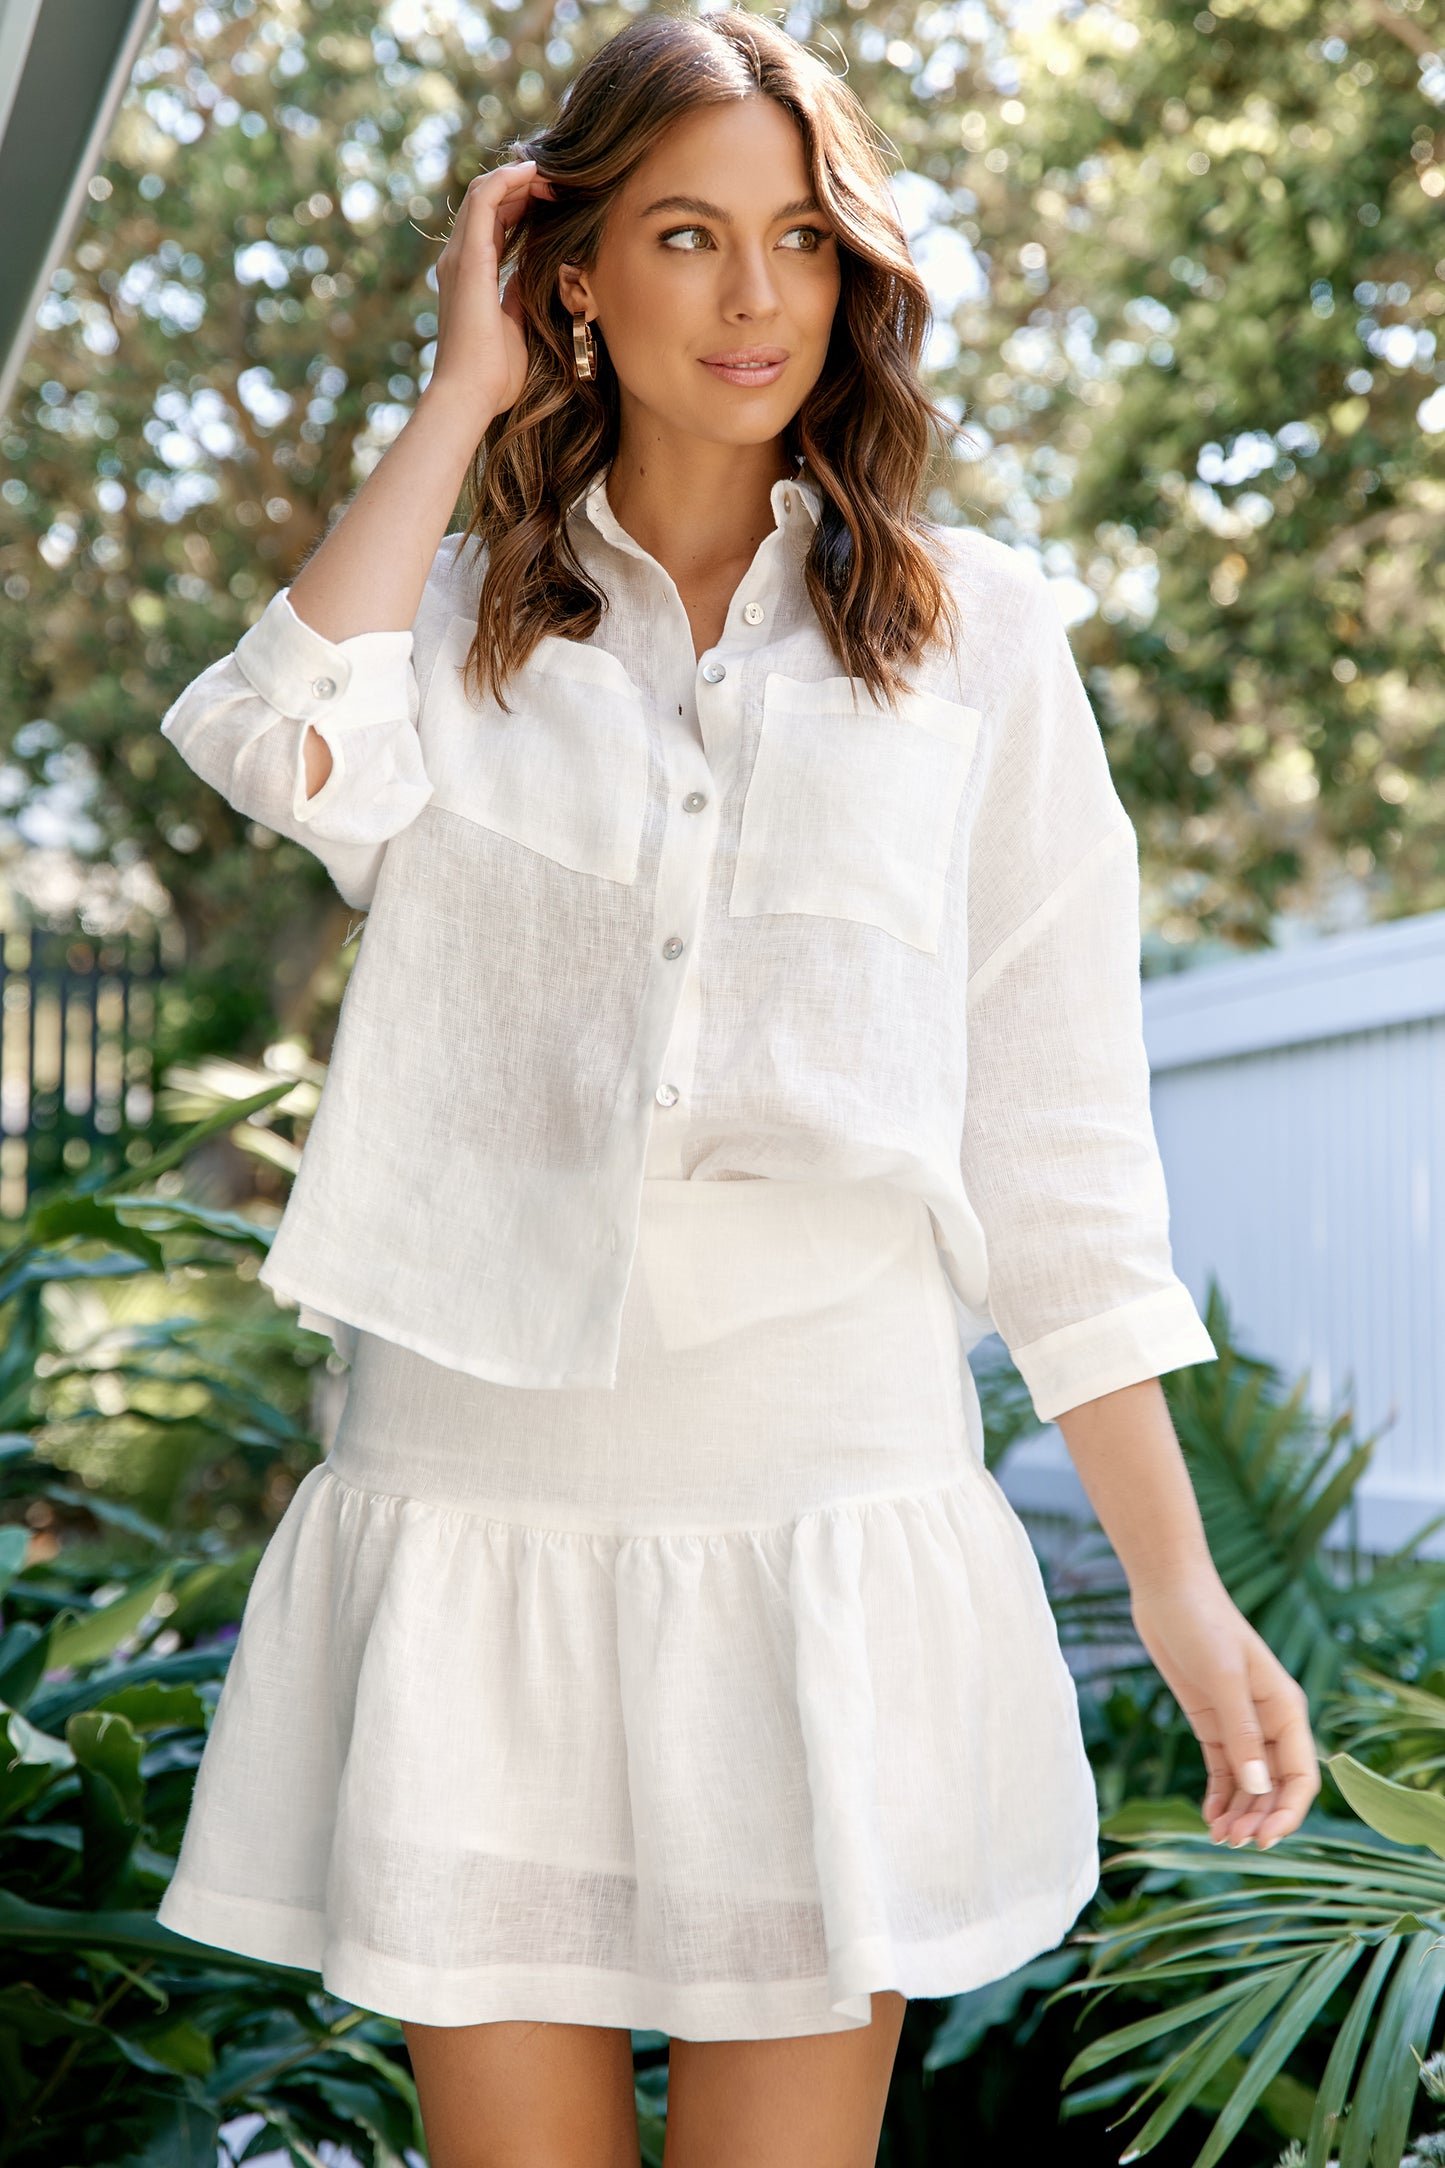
{"x": 1399, "y": 1723}
{"x": 1270, "y": 1941}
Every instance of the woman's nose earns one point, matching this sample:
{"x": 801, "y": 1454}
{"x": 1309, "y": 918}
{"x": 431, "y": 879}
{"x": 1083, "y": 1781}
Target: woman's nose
{"x": 750, "y": 287}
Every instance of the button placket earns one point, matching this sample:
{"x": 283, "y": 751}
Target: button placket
{"x": 684, "y": 871}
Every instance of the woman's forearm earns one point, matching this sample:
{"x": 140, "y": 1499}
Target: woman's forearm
{"x": 1127, "y": 1453}
{"x": 369, "y": 572}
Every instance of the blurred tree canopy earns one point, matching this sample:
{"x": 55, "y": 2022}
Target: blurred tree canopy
{"x": 1209, "y": 363}
{"x": 1189, "y": 318}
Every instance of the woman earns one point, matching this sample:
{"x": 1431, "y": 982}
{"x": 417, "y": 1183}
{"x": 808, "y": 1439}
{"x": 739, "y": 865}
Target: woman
{"x": 653, "y": 1648}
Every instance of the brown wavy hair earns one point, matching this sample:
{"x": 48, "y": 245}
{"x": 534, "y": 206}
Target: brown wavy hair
{"x": 864, "y": 428}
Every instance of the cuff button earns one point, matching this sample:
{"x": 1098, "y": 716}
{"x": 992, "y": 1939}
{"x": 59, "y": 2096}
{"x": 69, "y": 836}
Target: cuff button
{"x": 323, "y": 688}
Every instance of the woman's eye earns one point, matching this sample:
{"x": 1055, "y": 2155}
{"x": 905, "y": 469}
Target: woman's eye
{"x": 683, "y": 239}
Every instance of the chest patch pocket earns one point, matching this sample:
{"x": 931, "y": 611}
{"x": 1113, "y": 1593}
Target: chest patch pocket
{"x": 564, "y": 774}
{"x": 851, "y": 806}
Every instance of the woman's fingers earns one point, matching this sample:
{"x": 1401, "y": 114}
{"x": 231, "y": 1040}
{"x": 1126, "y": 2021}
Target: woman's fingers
{"x": 1219, "y": 1791}
{"x": 1258, "y": 1729}
{"x": 1241, "y": 1730}
{"x": 483, "y": 350}
{"x": 1250, "y": 1716}
{"x": 1296, "y": 1764}
{"x": 498, "y": 197}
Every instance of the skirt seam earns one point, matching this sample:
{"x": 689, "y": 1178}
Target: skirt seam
{"x": 858, "y": 1502}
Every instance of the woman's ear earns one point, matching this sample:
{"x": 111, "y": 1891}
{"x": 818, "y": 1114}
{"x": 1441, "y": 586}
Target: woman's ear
{"x": 575, "y": 292}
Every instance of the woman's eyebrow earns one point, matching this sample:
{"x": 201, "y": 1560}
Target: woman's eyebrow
{"x": 713, "y": 210}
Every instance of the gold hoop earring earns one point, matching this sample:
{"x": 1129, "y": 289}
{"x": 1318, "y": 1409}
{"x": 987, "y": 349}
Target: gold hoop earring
{"x": 584, "y": 345}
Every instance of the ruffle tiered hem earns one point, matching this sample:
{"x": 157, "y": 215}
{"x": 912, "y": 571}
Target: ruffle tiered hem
{"x": 481, "y": 1756}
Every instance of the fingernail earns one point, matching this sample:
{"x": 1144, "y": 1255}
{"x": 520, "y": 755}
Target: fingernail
{"x": 1256, "y": 1777}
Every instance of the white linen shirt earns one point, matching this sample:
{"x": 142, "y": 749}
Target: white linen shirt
{"x": 705, "y": 917}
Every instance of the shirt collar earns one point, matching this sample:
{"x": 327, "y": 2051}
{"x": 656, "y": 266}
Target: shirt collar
{"x": 797, "y": 504}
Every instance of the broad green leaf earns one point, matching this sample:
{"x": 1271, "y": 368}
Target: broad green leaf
{"x": 29, "y": 1760}
{"x": 177, "y": 2045}
{"x": 65, "y": 1217}
{"x": 1139, "y": 1819}
{"x": 1395, "y": 1810}
{"x": 148, "y": 1707}
{"x": 110, "y": 1745}
{"x": 108, "y": 1757}
{"x": 26, "y": 1927}
{"x": 60, "y": 1701}
{"x": 14, "y": 1544}
{"x": 95, "y": 1635}
{"x": 24, "y": 1654}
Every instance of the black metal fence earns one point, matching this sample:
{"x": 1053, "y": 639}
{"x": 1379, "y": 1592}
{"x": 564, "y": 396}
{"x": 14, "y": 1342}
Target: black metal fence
{"x": 78, "y": 1018}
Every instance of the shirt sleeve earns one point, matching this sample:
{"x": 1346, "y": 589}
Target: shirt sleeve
{"x": 1060, "y": 1159}
{"x": 242, "y": 724}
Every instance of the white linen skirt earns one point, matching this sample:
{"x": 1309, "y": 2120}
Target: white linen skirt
{"x": 708, "y": 1703}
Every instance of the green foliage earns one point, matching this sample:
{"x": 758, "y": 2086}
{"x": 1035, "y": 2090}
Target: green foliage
{"x": 1398, "y": 1724}
{"x": 122, "y": 2044}
{"x": 1211, "y": 246}
{"x": 1328, "y": 1935}
{"x": 1216, "y": 294}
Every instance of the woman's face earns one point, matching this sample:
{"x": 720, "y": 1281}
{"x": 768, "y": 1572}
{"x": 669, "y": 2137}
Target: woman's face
{"x": 716, "y": 279}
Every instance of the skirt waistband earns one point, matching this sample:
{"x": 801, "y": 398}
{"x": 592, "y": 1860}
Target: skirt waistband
{"x": 785, "y": 1346}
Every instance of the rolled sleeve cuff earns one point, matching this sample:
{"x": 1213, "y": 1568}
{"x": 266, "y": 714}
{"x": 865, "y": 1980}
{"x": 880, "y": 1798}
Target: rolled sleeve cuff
{"x": 1139, "y": 1340}
{"x": 365, "y": 679}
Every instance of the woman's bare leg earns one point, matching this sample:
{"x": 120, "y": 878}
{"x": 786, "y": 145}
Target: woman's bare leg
{"x": 814, "y": 2100}
{"x": 525, "y": 2095}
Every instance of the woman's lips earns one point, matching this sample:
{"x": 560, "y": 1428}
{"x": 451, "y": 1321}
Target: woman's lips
{"x": 733, "y": 371}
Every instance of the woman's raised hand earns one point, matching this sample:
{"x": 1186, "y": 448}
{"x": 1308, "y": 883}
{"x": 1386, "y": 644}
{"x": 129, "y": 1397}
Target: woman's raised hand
{"x": 481, "y": 356}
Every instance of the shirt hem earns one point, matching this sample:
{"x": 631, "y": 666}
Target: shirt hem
{"x": 493, "y": 1372}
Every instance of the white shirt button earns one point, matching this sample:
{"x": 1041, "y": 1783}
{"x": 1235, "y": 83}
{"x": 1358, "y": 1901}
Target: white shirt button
{"x": 753, "y": 613}
{"x": 324, "y": 688}
{"x": 714, "y": 672}
{"x": 666, "y": 1095}
{"x": 694, "y": 801}
{"x": 787, "y": 500}
{"x": 673, "y": 945}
